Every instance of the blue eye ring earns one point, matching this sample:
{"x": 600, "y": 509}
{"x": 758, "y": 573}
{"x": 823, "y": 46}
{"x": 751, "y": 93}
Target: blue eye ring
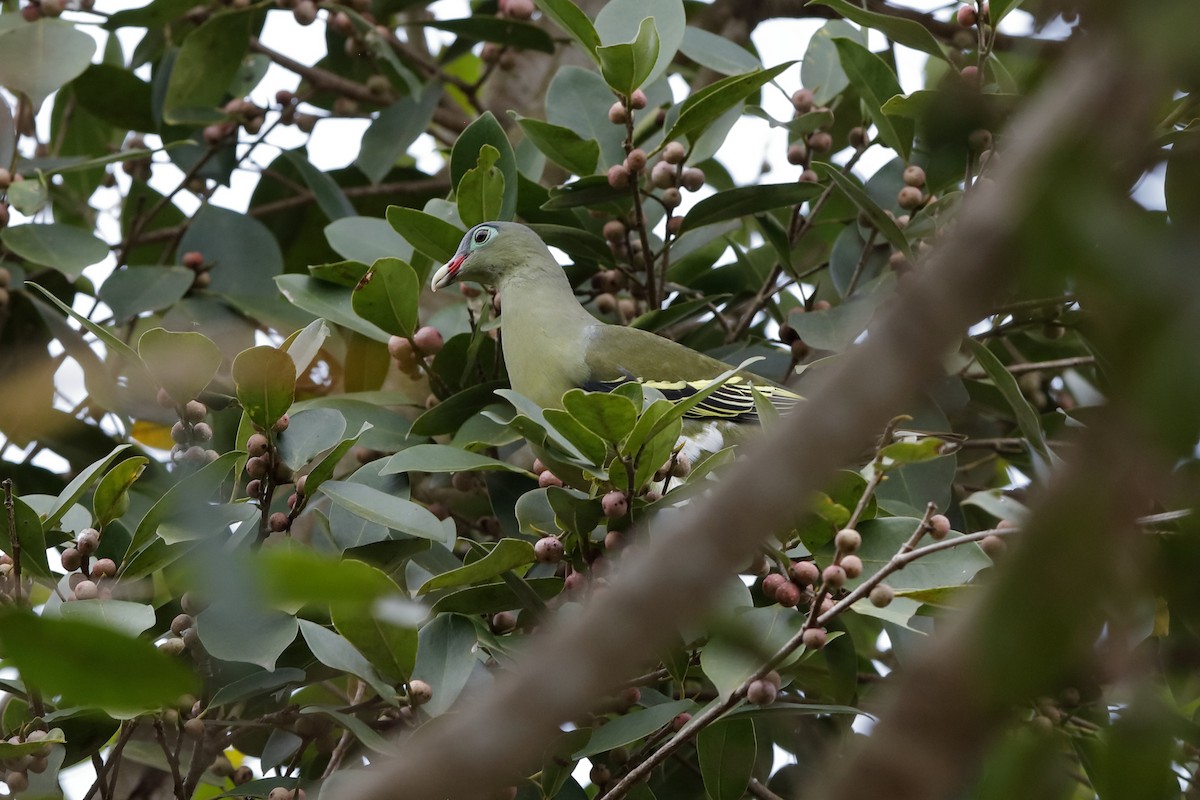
{"x": 482, "y": 236}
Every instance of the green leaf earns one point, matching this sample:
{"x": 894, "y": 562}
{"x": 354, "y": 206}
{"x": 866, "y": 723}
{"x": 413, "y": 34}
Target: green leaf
{"x": 561, "y": 145}
{"x": 837, "y": 328}
{"x": 329, "y": 581}
{"x": 884, "y": 536}
{"x": 111, "y": 499}
{"x": 876, "y": 82}
{"x": 256, "y": 684}
{"x": 244, "y": 253}
{"x": 507, "y": 554}
{"x": 443, "y": 458}
{"x": 208, "y": 61}
{"x": 503, "y": 30}
{"x": 30, "y": 534}
{"x": 37, "y": 58}
{"x": 394, "y": 130}
{"x": 117, "y": 96}
{"x": 626, "y": 66}
{"x": 999, "y": 10}
{"x": 361, "y": 730}
{"x": 181, "y": 363}
{"x": 739, "y": 647}
{"x": 310, "y": 432}
{"x": 857, "y": 195}
{"x": 330, "y": 197}
{"x": 588, "y": 443}
{"x": 901, "y": 31}
{"x": 122, "y": 616}
{"x": 571, "y": 19}
{"x": 1027, "y": 419}
{"x": 387, "y": 297}
{"x": 186, "y": 499}
{"x": 393, "y": 512}
{"x": 726, "y": 751}
{"x": 120, "y": 675}
{"x": 266, "y": 384}
{"x": 80, "y": 484}
{"x": 623, "y": 21}
{"x": 630, "y": 727}
{"x": 579, "y": 99}
{"x": 481, "y": 190}
{"x": 304, "y": 345}
{"x": 327, "y": 300}
{"x": 717, "y": 53}
{"x": 28, "y": 197}
{"x": 589, "y": 191}
{"x": 492, "y": 597}
{"x": 747, "y": 200}
{"x": 445, "y": 659}
{"x": 703, "y": 107}
{"x": 466, "y": 153}
{"x": 922, "y": 450}
{"x": 135, "y": 290}
{"x": 609, "y": 416}
{"x": 822, "y": 71}
{"x": 391, "y": 649}
{"x": 233, "y": 629}
{"x": 336, "y": 652}
{"x": 63, "y": 247}
{"x": 427, "y": 234}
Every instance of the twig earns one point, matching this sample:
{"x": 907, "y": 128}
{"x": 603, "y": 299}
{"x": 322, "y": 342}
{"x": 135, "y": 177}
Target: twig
{"x": 171, "y": 756}
{"x": 114, "y": 757}
{"x": 1036, "y": 366}
{"x": 760, "y": 790}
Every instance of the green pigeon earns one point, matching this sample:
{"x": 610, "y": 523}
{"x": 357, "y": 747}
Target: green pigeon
{"x": 553, "y": 344}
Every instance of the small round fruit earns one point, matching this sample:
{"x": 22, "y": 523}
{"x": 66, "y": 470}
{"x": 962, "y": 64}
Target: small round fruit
{"x": 181, "y": 623}
{"x": 858, "y": 138}
{"x": 419, "y": 692}
{"x": 771, "y": 585}
{"x": 692, "y": 178}
{"x": 939, "y": 526}
{"x": 852, "y": 565}
{"x": 278, "y": 522}
{"x": 401, "y": 349}
{"x": 179, "y": 433}
{"x": 774, "y": 678}
{"x": 193, "y": 259}
{"x": 242, "y": 774}
{"x": 966, "y": 16}
{"x": 814, "y": 638}
{"x": 994, "y": 546}
{"x": 617, "y": 114}
{"x": 914, "y": 176}
{"x": 254, "y": 488}
{"x": 87, "y": 541}
{"x": 606, "y": 303}
{"x": 104, "y": 568}
{"x": 847, "y": 540}
{"x": 834, "y": 576}
{"x": 820, "y": 142}
{"x": 281, "y": 424}
{"x": 662, "y": 175}
{"x": 615, "y": 505}
{"x": 548, "y": 479}
{"x": 671, "y": 198}
{"x": 804, "y": 573}
{"x": 614, "y": 231}
{"x": 256, "y": 467}
{"x": 202, "y": 432}
{"x": 520, "y": 9}
{"x": 600, "y": 775}
{"x": 910, "y": 197}
{"x": 503, "y": 622}
{"x": 674, "y": 153}
{"x": 195, "y": 727}
{"x": 86, "y": 590}
{"x": 797, "y": 154}
{"x": 637, "y": 99}
{"x": 71, "y": 559}
{"x": 548, "y": 550}
{"x": 788, "y": 595}
{"x": 618, "y": 176}
{"x": 809, "y": 176}
{"x": 970, "y": 74}
{"x": 428, "y": 339}
{"x": 761, "y": 693}
{"x": 882, "y": 595}
{"x": 679, "y": 720}
{"x": 636, "y": 160}
{"x": 803, "y": 101}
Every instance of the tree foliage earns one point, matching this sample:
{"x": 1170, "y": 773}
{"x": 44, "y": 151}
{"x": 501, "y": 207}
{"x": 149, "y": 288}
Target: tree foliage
{"x": 267, "y": 496}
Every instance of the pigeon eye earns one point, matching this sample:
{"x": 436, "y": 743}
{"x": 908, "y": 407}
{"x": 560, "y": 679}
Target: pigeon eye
{"x": 482, "y": 236}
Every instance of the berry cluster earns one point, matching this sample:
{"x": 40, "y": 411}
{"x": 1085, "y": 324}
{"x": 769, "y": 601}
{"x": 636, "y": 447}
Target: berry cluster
{"x": 266, "y": 470}
{"x": 412, "y": 354}
{"x": 819, "y": 142}
{"x": 191, "y": 433}
{"x": 88, "y": 580}
{"x": 15, "y": 770}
